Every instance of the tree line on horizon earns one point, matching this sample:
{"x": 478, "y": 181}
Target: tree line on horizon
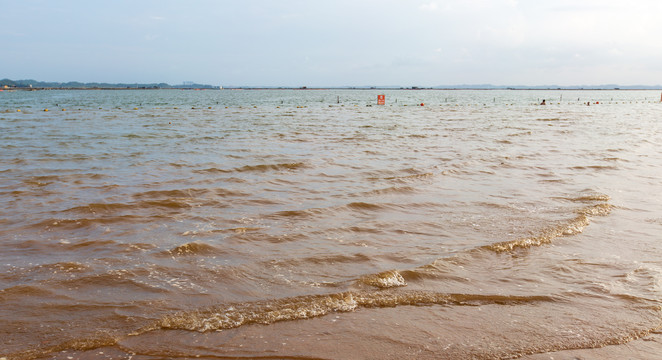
{"x": 93, "y": 85}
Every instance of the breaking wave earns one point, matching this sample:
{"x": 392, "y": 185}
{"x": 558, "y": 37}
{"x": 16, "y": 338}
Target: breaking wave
{"x": 571, "y": 227}
{"x": 306, "y": 307}
{"x": 192, "y": 249}
{"x": 383, "y": 280}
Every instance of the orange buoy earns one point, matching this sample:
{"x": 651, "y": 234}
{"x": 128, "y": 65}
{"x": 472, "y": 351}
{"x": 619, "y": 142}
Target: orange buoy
{"x": 422, "y": 104}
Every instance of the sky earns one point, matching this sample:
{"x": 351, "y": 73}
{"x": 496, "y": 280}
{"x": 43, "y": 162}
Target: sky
{"x": 334, "y": 42}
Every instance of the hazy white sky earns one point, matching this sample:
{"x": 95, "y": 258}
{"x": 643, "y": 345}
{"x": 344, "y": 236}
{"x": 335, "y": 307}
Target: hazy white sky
{"x": 334, "y": 42}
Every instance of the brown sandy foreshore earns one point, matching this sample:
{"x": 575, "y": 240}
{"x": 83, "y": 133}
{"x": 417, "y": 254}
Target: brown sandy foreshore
{"x": 646, "y": 348}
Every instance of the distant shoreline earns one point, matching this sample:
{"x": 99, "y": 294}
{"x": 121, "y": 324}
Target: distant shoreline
{"x": 29, "y": 84}
{"x": 91, "y": 88}
{"x": 456, "y": 87}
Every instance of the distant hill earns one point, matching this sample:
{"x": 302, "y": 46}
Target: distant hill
{"x": 94, "y": 85}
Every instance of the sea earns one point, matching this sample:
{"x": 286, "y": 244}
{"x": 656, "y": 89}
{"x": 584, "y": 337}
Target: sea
{"x": 316, "y": 224}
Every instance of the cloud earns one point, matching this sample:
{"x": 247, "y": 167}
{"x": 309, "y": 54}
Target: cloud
{"x": 434, "y": 41}
{"x": 615, "y": 52}
{"x": 431, "y": 6}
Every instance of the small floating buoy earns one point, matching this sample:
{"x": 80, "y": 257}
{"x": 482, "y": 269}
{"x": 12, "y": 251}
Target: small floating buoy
{"x": 422, "y": 104}
{"x": 45, "y": 109}
{"x": 18, "y": 110}
{"x": 64, "y": 109}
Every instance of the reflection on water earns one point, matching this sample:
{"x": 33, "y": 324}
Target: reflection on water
{"x": 316, "y": 224}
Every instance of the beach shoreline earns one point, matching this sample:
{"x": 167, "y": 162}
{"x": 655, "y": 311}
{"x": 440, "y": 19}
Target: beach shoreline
{"x": 647, "y": 347}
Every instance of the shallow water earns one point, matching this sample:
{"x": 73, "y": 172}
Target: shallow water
{"x": 316, "y": 224}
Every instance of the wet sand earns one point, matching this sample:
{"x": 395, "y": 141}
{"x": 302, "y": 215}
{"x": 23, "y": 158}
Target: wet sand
{"x": 646, "y": 348}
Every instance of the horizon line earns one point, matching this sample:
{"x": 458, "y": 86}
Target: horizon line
{"x": 188, "y": 84}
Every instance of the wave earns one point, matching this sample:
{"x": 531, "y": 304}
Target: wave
{"x": 125, "y": 278}
{"x": 66, "y": 267}
{"x": 211, "y": 170}
{"x": 595, "y": 167}
{"x": 174, "y": 193}
{"x": 355, "y": 258}
{"x": 256, "y": 168}
{"x": 192, "y": 249}
{"x": 225, "y": 317}
{"x": 102, "y": 339}
{"x": 93, "y": 246}
{"x": 90, "y": 222}
{"x": 300, "y": 214}
{"x": 390, "y": 190}
{"x": 549, "y": 119}
{"x": 306, "y": 307}
{"x": 383, "y": 280}
{"x": 364, "y": 206}
{"x": 149, "y": 205}
{"x": 312, "y": 212}
{"x": 573, "y": 226}
{"x": 22, "y": 291}
{"x": 72, "y": 224}
{"x": 616, "y": 159}
{"x": 271, "y": 167}
{"x": 589, "y": 198}
{"x": 40, "y": 181}
{"x": 105, "y": 208}
{"x": 388, "y": 287}
{"x": 407, "y": 178}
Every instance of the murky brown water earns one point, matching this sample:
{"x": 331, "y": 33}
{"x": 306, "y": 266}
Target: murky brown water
{"x": 305, "y": 224}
